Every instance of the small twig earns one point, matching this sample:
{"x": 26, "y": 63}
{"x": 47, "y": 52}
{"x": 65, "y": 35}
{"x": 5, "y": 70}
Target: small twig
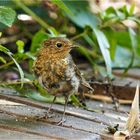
{"x": 6, "y": 65}
{"x": 34, "y": 16}
{"x": 9, "y": 39}
{"x": 78, "y": 36}
{"x": 111, "y": 93}
{"x": 15, "y": 83}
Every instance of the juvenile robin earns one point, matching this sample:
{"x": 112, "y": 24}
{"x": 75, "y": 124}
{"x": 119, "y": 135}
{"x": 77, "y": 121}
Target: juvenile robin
{"x": 57, "y": 72}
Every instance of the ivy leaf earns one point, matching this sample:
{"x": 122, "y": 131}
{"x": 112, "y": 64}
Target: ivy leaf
{"x": 7, "y": 16}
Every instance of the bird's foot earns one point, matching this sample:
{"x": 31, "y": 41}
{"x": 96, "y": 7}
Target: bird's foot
{"x": 46, "y": 115}
{"x": 61, "y": 121}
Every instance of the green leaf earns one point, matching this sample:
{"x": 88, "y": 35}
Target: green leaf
{"x": 36, "y": 96}
{"x": 4, "y": 49}
{"x": 135, "y": 19}
{"x": 7, "y": 15}
{"x": 61, "y": 5}
{"x": 7, "y": 51}
{"x": 35, "y": 17}
{"x": 8, "y": 3}
{"x": 20, "y": 45}
{"x": 82, "y": 15}
{"x": 133, "y": 39}
{"x": 37, "y": 40}
{"x": 0, "y": 34}
{"x": 109, "y": 13}
{"x": 85, "y": 52}
{"x": 104, "y": 46}
{"x": 110, "y": 34}
{"x": 131, "y": 10}
{"x": 30, "y": 93}
{"x": 41, "y": 90}
{"x": 30, "y": 55}
{"x": 19, "y": 68}
{"x": 123, "y": 39}
{"x": 122, "y": 57}
{"x": 2, "y": 60}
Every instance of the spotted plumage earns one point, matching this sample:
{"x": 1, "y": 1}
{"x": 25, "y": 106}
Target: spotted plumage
{"x": 56, "y": 70}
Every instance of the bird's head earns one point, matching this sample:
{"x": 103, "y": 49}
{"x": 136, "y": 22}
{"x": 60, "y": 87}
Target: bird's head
{"x": 57, "y": 47}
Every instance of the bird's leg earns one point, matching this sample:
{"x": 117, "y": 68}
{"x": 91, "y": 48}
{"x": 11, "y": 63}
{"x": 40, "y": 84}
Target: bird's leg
{"x": 49, "y": 109}
{"x": 82, "y": 99}
{"x": 81, "y": 96}
{"x": 63, "y": 116}
{"x": 47, "y": 114}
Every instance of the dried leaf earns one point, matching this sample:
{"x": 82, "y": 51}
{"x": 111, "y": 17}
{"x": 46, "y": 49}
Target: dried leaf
{"x": 133, "y": 121}
{"x": 132, "y": 124}
{"x": 121, "y": 135}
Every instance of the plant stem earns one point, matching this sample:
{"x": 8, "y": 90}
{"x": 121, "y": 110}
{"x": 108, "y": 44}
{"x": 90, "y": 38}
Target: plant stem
{"x": 15, "y": 83}
{"x": 35, "y": 17}
{"x": 7, "y": 64}
{"x": 85, "y": 32}
{"x": 78, "y": 36}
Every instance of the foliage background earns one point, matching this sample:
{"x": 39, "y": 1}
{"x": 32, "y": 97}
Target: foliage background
{"x": 109, "y": 37}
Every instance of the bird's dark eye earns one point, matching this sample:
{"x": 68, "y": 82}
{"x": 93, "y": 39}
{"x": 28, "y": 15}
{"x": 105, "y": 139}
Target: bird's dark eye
{"x": 59, "y": 45}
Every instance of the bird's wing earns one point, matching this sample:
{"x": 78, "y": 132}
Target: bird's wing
{"x": 82, "y": 80}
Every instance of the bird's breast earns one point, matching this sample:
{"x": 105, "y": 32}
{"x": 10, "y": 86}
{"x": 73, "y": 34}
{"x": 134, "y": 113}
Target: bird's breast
{"x": 57, "y": 76}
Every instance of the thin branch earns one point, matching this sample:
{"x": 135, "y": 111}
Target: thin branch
{"x": 78, "y": 36}
{"x": 15, "y": 83}
{"x": 34, "y": 16}
{"x": 6, "y": 65}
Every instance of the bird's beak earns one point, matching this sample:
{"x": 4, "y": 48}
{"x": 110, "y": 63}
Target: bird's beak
{"x": 74, "y": 46}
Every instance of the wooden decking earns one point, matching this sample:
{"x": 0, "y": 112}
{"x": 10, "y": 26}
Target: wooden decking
{"x": 21, "y": 121}
{"x": 20, "y": 117}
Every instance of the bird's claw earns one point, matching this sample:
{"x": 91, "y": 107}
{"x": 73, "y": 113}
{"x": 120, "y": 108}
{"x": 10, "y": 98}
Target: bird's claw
{"x": 61, "y": 122}
{"x": 45, "y": 116}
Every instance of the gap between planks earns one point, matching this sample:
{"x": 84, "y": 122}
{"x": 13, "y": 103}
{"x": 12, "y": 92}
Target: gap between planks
{"x": 40, "y": 106}
{"x": 23, "y": 130}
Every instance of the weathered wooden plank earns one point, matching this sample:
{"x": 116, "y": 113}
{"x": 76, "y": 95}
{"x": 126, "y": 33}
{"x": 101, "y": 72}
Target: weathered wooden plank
{"x": 132, "y": 73}
{"x": 43, "y": 129}
{"x": 90, "y": 122}
{"x": 105, "y": 106}
{"x": 107, "y": 99}
{"x": 70, "y": 110}
{"x": 30, "y": 113}
{"x": 122, "y": 88}
{"x": 6, "y": 134}
{"x": 86, "y": 124}
{"x": 76, "y": 117}
{"x": 23, "y": 118}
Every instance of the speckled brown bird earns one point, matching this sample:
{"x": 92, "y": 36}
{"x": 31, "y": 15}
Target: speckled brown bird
{"x": 56, "y": 70}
